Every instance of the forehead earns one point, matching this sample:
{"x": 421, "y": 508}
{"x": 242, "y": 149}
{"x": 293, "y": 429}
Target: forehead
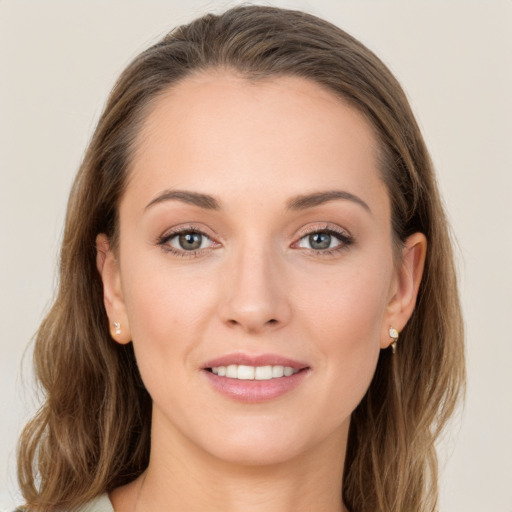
{"x": 220, "y": 132}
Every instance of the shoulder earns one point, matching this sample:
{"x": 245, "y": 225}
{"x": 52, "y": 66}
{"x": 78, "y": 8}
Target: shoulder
{"x": 99, "y": 504}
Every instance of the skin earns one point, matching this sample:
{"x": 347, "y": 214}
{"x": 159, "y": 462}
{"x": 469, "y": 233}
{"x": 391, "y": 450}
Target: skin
{"x": 256, "y": 286}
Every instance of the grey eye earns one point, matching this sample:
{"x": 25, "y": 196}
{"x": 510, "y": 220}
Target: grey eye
{"x": 320, "y": 240}
{"x": 189, "y": 241}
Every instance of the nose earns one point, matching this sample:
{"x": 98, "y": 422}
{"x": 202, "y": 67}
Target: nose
{"x": 254, "y": 293}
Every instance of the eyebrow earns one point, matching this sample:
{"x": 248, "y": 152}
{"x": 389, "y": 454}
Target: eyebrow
{"x": 195, "y": 198}
{"x": 301, "y": 202}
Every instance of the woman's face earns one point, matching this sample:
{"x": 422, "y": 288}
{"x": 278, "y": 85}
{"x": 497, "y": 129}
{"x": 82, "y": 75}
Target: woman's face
{"x": 255, "y": 243}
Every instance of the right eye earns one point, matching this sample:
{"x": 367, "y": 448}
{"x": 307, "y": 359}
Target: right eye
{"x": 186, "y": 242}
{"x": 189, "y": 241}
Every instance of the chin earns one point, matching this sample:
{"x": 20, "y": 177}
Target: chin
{"x": 264, "y": 443}
{"x": 257, "y": 452}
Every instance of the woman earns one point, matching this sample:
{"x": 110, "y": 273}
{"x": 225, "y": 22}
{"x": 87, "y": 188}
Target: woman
{"x": 257, "y": 306}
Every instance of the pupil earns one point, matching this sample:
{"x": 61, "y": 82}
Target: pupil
{"x": 320, "y": 240}
{"x": 190, "y": 241}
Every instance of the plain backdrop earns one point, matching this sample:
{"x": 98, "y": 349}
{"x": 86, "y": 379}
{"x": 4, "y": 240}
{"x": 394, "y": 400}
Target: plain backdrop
{"x": 58, "y": 61}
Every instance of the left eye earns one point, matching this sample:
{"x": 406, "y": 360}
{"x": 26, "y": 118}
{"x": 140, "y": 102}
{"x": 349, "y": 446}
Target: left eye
{"x": 189, "y": 241}
{"x": 321, "y": 240}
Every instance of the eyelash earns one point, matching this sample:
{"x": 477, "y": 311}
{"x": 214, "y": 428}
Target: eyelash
{"x": 344, "y": 238}
{"x": 164, "y": 240}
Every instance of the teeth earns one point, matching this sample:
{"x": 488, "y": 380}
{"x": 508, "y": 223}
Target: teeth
{"x": 244, "y": 372}
{"x": 288, "y": 371}
{"x": 232, "y": 371}
{"x": 277, "y": 371}
{"x": 263, "y": 373}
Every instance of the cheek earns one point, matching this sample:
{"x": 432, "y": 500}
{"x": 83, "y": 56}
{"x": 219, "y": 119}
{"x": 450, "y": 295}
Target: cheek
{"x": 167, "y": 310}
{"x": 345, "y": 321}
{"x": 165, "y": 303}
{"x": 168, "y": 317}
{"x": 348, "y": 305}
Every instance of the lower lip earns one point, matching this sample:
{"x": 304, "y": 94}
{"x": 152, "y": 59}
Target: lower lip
{"x": 253, "y": 391}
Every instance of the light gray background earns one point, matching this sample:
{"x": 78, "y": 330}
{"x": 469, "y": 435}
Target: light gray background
{"x": 58, "y": 61}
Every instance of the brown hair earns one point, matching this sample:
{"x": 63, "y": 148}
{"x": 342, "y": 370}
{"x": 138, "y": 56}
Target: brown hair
{"x": 92, "y": 433}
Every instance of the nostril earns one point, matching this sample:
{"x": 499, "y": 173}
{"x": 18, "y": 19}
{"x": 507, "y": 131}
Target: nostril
{"x": 252, "y": 324}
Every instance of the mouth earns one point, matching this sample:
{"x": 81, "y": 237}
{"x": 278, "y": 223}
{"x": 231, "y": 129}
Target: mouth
{"x": 254, "y": 378}
{"x": 245, "y": 372}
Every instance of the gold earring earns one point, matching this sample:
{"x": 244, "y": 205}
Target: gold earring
{"x": 394, "y": 334}
{"x": 117, "y": 328}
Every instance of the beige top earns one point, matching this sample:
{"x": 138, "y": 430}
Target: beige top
{"x": 99, "y": 504}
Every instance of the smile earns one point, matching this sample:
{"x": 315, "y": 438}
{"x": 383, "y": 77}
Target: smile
{"x": 245, "y": 372}
{"x": 254, "y": 378}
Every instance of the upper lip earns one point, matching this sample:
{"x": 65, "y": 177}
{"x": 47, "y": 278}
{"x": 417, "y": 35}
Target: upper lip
{"x": 255, "y": 360}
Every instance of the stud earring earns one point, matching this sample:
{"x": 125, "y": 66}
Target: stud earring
{"x": 117, "y": 328}
{"x": 393, "y": 333}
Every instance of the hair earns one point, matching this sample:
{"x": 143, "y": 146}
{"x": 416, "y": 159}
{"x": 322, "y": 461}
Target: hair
{"x": 92, "y": 432}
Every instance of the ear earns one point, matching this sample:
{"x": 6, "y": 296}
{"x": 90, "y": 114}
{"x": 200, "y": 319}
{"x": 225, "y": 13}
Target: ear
{"x": 406, "y": 283}
{"x": 108, "y": 267}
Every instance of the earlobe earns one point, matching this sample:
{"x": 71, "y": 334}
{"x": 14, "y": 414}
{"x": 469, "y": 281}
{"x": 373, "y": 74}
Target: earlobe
{"x": 408, "y": 279}
{"x": 108, "y": 267}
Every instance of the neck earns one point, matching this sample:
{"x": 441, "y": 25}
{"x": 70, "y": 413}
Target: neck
{"x": 181, "y": 476}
